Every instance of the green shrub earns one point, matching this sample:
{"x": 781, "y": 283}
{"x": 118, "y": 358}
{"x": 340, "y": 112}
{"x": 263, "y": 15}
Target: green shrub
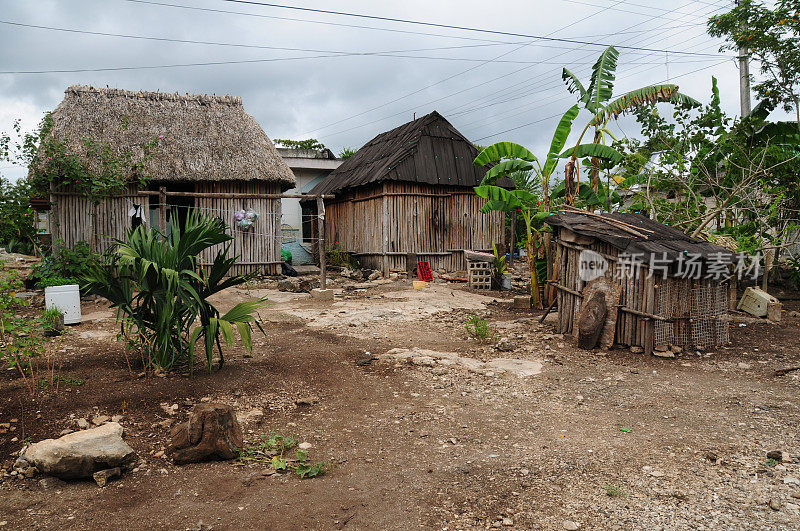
{"x": 161, "y": 292}
{"x": 64, "y": 265}
{"x": 477, "y": 327}
{"x": 17, "y": 218}
{"x": 336, "y": 256}
{"x": 286, "y": 256}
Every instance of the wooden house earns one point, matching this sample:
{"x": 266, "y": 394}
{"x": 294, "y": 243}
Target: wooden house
{"x": 210, "y": 156}
{"x": 671, "y": 290}
{"x": 409, "y": 192}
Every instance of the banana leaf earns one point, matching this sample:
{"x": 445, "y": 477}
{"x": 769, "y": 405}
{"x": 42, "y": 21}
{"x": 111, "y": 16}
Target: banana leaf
{"x": 560, "y": 138}
{"x": 593, "y": 150}
{"x": 503, "y": 150}
{"x": 505, "y": 168}
{"x": 601, "y": 86}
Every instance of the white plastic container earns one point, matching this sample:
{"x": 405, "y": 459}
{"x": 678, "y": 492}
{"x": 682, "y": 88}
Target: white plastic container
{"x": 67, "y": 299}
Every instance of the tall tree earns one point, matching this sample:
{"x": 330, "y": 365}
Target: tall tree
{"x": 772, "y": 35}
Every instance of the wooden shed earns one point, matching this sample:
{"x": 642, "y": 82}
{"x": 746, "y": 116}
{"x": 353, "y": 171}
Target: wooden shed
{"x": 410, "y": 190}
{"x": 211, "y": 156}
{"x": 673, "y": 290}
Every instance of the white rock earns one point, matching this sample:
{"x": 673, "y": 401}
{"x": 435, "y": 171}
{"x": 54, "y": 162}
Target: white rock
{"x": 80, "y": 454}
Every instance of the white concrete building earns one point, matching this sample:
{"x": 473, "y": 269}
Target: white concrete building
{"x": 309, "y": 166}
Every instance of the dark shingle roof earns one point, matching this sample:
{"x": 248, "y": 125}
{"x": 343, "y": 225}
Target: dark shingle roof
{"x": 427, "y": 150}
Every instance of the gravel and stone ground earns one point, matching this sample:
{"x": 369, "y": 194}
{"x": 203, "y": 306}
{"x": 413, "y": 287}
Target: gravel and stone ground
{"x": 426, "y": 428}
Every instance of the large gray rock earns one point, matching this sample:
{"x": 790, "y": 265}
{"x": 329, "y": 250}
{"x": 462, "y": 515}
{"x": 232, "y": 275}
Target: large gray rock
{"x": 81, "y": 454}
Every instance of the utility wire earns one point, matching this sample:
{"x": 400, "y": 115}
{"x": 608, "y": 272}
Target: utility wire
{"x": 454, "y": 27}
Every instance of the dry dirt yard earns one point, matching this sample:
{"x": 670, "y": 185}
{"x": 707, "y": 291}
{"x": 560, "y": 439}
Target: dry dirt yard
{"x": 433, "y": 433}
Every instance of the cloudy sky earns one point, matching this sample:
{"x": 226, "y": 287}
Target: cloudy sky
{"x": 344, "y": 79}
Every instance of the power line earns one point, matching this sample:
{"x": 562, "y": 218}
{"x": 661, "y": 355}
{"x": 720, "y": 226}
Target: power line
{"x": 454, "y": 27}
{"x": 444, "y": 97}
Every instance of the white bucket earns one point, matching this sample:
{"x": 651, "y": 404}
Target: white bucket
{"x": 67, "y": 299}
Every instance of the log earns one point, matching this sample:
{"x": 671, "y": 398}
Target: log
{"x": 590, "y": 320}
{"x": 211, "y": 433}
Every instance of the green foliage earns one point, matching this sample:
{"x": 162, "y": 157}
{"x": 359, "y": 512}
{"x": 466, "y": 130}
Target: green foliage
{"x": 102, "y": 170}
{"x": 478, "y": 327}
{"x": 593, "y": 150}
{"x": 309, "y": 143}
{"x": 286, "y": 256}
{"x": 274, "y": 449}
{"x": 17, "y": 218}
{"x": 503, "y": 150}
{"x": 794, "y": 270}
{"x": 22, "y": 342}
{"x": 500, "y": 266}
{"x": 45, "y": 383}
{"x": 347, "y": 152}
{"x": 160, "y": 292}
{"x": 52, "y": 321}
{"x": 771, "y": 33}
{"x": 337, "y": 256}
{"x": 64, "y": 265}
{"x": 614, "y": 491}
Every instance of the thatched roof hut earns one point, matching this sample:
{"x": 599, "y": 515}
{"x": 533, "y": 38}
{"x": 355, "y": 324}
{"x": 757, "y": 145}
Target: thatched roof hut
{"x": 202, "y": 137}
{"x": 408, "y": 194}
{"x": 211, "y": 156}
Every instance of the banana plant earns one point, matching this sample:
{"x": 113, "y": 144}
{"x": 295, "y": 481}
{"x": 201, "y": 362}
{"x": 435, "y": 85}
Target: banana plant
{"x": 526, "y": 203}
{"x": 596, "y": 98}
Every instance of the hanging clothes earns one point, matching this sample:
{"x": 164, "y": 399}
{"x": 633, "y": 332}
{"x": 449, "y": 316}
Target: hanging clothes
{"x": 136, "y": 213}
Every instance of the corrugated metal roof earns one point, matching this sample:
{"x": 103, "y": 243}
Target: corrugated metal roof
{"x": 427, "y": 150}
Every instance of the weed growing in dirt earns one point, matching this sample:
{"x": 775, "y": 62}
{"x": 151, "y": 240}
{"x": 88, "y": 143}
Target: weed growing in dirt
{"x": 614, "y": 491}
{"x": 478, "y": 327}
{"x": 44, "y": 383}
{"x": 275, "y": 448}
{"x": 772, "y": 462}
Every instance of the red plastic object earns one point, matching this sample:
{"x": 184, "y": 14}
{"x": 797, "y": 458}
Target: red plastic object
{"x": 424, "y": 271}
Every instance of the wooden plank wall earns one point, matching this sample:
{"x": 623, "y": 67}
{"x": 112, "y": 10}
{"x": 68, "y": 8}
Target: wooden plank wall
{"x": 71, "y": 217}
{"x": 435, "y": 222}
{"x": 258, "y": 248}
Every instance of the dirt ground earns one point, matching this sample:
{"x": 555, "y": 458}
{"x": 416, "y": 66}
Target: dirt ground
{"x": 602, "y": 440}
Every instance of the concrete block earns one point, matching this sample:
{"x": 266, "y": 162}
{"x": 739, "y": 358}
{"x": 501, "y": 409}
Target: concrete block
{"x": 322, "y": 294}
{"x": 774, "y": 311}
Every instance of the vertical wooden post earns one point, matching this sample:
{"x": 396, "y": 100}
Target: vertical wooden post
{"x": 385, "y": 235}
{"x": 94, "y": 227}
{"x": 511, "y": 246}
{"x": 162, "y": 209}
{"x": 321, "y": 241}
{"x": 650, "y": 306}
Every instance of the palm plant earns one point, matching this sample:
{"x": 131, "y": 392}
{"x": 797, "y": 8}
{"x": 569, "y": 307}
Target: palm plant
{"x": 160, "y": 292}
{"x": 595, "y": 99}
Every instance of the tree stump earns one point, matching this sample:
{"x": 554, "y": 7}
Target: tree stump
{"x": 591, "y": 318}
{"x": 211, "y": 433}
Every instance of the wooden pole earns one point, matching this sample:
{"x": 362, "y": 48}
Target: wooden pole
{"x": 385, "y": 245}
{"x": 321, "y": 241}
{"x": 511, "y": 247}
{"x": 162, "y": 210}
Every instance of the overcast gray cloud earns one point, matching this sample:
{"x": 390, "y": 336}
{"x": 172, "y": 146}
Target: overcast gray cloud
{"x": 485, "y": 84}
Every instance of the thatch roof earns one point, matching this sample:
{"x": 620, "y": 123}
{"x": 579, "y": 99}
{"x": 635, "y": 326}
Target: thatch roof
{"x": 203, "y": 138}
{"x": 428, "y": 150}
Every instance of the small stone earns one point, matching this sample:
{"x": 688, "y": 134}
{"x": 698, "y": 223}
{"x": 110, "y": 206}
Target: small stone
{"x": 30, "y": 472}
{"x": 665, "y": 354}
{"x": 743, "y": 366}
{"x": 775, "y": 455}
{"x": 791, "y": 481}
{"x": 508, "y": 522}
{"x": 569, "y": 525}
{"x": 657, "y": 474}
{"x": 775, "y": 504}
{"x": 65, "y": 432}
{"x": 99, "y": 420}
{"x": 51, "y": 483}
{"x": 82, "y": 423}
{"x": 304, "y": 445}
{"x": 102, "y": 477}
{"x": 636, "y": 350}
{"x": 505, "y": 345}
{"x": 117, "y": 418}
{"x": 306, "y": 401}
